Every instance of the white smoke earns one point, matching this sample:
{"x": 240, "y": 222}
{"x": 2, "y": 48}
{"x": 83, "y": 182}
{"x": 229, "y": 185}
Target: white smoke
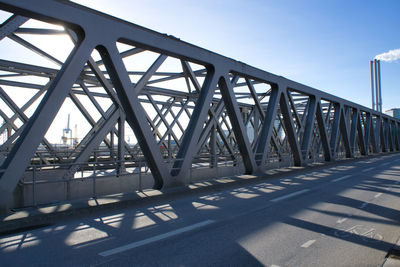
{"x": 390, "y": 56}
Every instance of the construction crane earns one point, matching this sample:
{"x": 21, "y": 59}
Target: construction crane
{"x": 67, "y": 131}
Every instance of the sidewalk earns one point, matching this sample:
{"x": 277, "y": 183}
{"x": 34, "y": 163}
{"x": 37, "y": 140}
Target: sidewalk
{"x": 19, "y": 220}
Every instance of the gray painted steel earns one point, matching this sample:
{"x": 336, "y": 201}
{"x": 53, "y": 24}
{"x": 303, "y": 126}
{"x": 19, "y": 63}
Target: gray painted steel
{"x": 227, "y": 110}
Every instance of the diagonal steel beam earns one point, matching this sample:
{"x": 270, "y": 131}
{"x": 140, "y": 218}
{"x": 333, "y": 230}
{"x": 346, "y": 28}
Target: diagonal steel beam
{"x": 323, "y": 132}
{"x": 268, "y": 125}
{"x": 146, "y": 77}
{"x": 98, "y": 136}
{"x": 290, "y": 129}
{"x": 34, "y": 49}
{"x": 19, "y": 157}
{"x": 134, "y": 113}
{"x": 361, "y": 139}
{"x": 345, "y": 133}
{"x": 11, "y": 25}
{"x": 238, "y": 127}
{"x": 309, "y": 127}
{"x": 191, "y": 136}
{"x": 353, "y": 128}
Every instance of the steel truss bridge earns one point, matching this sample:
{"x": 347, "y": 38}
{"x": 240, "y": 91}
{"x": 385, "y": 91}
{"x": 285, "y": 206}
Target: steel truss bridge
{"x": 149, "y": 99}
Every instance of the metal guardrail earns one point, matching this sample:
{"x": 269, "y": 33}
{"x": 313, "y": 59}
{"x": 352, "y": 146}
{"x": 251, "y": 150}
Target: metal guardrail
{"x": 97, "y": 170}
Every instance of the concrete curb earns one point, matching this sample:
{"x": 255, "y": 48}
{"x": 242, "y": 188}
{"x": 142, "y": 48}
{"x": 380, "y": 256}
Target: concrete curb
{"x": 393, "y": 256}
{"x": 42, "y": 216}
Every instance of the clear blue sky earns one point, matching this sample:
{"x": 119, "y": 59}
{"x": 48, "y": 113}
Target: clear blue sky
{"x": 326, "y": 44}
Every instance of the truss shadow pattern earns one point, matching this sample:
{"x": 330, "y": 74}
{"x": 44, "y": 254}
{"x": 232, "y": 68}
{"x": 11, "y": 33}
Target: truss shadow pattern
{"x": 142, "y": 96}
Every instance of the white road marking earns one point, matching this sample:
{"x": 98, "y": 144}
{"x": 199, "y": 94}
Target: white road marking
{"x": 308, "y": 243}
{"x": 378, "y": 195}
{"x": 384, "y": 164}
{"x": 368, "y": 169}
{"x": 340, "y": 178}
{"x": 154, "y": 239}
{"x": 290, "y": 195}
{"x": 363, "y": 205}
{"x": 273, "y": 265}
{"x": 342, "y": 220}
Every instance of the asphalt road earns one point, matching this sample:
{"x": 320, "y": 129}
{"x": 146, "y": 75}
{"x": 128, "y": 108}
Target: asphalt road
{"x": 346, "y": 215}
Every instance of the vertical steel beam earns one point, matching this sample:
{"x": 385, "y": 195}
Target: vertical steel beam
{"x": 121, "y": 143}
{"x": 396, "y": 135}
{"x": 367, "y": 133}
{"x": 381, "y": 132}
{"x": 213, "y": 146}
{"x": 391, "y": 135}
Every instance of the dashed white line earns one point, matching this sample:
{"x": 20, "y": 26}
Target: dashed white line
{"x": 340, "y": 178}
{"x": 363, "y": 205}
{"x": 368, "y": 169}
{"x": 154, "y": 239}
{"x": 342, "y": 220}
{"x": 384, "y": 164}
{"x": 378, "y": 195}
{"x": 308, "y": 243}
{"x": 290, "y": 195}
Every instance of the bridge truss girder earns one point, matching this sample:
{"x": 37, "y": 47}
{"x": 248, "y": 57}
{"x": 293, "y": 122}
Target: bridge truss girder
{"x": 225, "y": 108}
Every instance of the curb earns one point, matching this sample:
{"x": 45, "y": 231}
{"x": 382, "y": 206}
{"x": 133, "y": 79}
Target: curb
{"x": 393, "y": 256}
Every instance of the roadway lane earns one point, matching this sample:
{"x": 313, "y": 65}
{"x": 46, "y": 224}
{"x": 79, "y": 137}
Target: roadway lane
{"x": 344, "y": 215}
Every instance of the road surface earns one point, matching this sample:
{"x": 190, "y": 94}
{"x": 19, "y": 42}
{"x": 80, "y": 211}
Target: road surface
{"x": 343, "y": 215}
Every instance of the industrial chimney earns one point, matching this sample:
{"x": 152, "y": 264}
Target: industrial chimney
{"x": 376, "y": 92}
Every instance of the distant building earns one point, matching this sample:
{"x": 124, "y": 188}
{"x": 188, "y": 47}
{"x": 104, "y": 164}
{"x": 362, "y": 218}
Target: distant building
{"x": 394, "y": 112}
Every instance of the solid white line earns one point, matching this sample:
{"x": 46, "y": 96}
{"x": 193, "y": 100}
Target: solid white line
{"x": 378, "y": 195}
{"x": 154, "y": 239}
{"x": 290, "y": 195}
{"x": 341, "y": 220}
{"x": 308, "y": 243}
{"x": 340, "y": 178}
{"x": 368, "y": 169}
